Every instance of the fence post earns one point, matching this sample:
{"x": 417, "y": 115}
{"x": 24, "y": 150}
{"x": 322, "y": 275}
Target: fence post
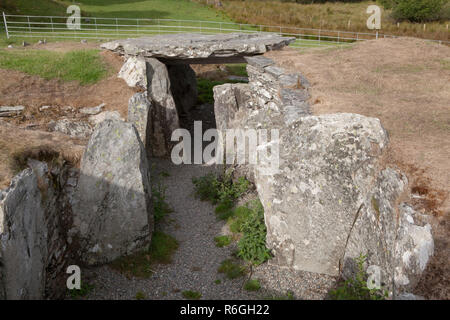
{"x": 6, "y": 25}
{"x": 339, "y": 35}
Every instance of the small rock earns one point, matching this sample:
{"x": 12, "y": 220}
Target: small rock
{"x": 45, "y": 108}
{"x": 105, "y": 115}
{"x": 93, "y": 110}
{"x": 68, "y": 109}
{"x": 83, "y": 41}
{"x": 78, "y": 129}
{"x": 7, "y": 111}
{"x": 25, "y": 44}
{"x": 10, "y": 46}
{"x": 42, "y": 41}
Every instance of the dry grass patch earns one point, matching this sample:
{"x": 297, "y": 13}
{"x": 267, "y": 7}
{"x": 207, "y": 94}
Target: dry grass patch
{"x": 18, "y": 145}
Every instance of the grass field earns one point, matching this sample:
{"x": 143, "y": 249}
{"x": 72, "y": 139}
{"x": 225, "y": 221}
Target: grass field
{"x": 332, "y": 16}
{"x": 85, "y": 66}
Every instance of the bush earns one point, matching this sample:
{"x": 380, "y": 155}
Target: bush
{"x": 417, "y": 10}
{"x": 356, "y": 288}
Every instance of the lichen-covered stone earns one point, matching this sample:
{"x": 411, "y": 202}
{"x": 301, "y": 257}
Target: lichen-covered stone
{"x": 112, "y": 208}
{"x": 199, "y": 48}
{"x": 134, "y": 72}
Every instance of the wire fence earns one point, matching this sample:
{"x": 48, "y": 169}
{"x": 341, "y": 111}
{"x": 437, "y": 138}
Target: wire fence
{"x": 44, "y": 27}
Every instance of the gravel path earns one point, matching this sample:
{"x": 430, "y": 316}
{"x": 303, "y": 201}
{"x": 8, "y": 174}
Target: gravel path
{"x": 195, "y": 263}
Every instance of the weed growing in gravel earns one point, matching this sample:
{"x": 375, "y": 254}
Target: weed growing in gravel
{"x": 249, "y": 221}
{"x": 140, "y": 296}
{"x": 222, "y": 241}
{"x": 252, "y": 285}
{"x": 160, "y": 207}
{"x": 221, "y": 190}
{"x": 84, "y": 290}
{"x": 356, "y": 288}
{"x": 231, "y": 269}
{"x": 191, "y": 295}
{"x": 139, "y": 264}
{"x": 288, "y": 296}
{"x": 218, "y": 281}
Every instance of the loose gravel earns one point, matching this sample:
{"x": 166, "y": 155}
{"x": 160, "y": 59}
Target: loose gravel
{"x": 194, "y": 267}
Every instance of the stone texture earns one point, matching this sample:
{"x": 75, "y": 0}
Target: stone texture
{"x": 183, "y": 83}
{"x": 134, "y": 72}
{"x": 139, "y": 113}
{"x": 332, "y": 199}
{"x": 92, "y": 110}
{"x": 199, "y": 48}
{"x": 73, "y": 128}
{"x": 7, "y": 111}
{"x": 34, "y": 219}
{"x": 164, "y": 115}
{"x": 112, "y": 208}
{"x": 105, "y": 115}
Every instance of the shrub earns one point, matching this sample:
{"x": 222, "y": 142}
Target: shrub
{"x": 356, "y": 288}
{"x": 416, "y": 10}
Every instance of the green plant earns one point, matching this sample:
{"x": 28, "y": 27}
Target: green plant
{"x": 221, "y": 190}
{"x": 231, "y": 269}
{"x": 222, "y": 241}
{"x": 192, "y": 295}
{"x": 356, "y": 288}
{"x": 252, "y": 285}
{"x": 160, "y": 207}
{"x": 84, "y": 66}
{"x": 218, "y": 281}
{"x": 416, "y": 10}
{"x": 288, "y": 296}
{"x": 139, "y": 264}
{"x": 252, "y": 245}
{"x": 84, "y": 290}
{"x": 140, "y": 296}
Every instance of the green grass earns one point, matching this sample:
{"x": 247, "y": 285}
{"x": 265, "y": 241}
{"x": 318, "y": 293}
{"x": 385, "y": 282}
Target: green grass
{"x": 84, "y": 290}
{"x": 222, "y": 241}
{"x": 231, "y": 269}
{"x": 191, "y": 295}
{"x": 252, "y": 285}
{"x": 85, "y": 66}
{"x": 35, "y": 7}
{"x": 139, "y": 265}
{"x": 140, "y": 296}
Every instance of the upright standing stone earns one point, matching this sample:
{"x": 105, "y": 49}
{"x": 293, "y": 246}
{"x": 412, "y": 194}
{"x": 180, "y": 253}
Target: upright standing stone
{"x": 112, "y": 209}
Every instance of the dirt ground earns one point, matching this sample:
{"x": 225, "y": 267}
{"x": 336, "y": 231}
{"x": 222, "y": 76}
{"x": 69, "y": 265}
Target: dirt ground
{"x": 406, "y": 84}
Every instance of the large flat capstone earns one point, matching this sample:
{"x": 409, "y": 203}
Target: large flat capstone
{"x": 200, "y": 48}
